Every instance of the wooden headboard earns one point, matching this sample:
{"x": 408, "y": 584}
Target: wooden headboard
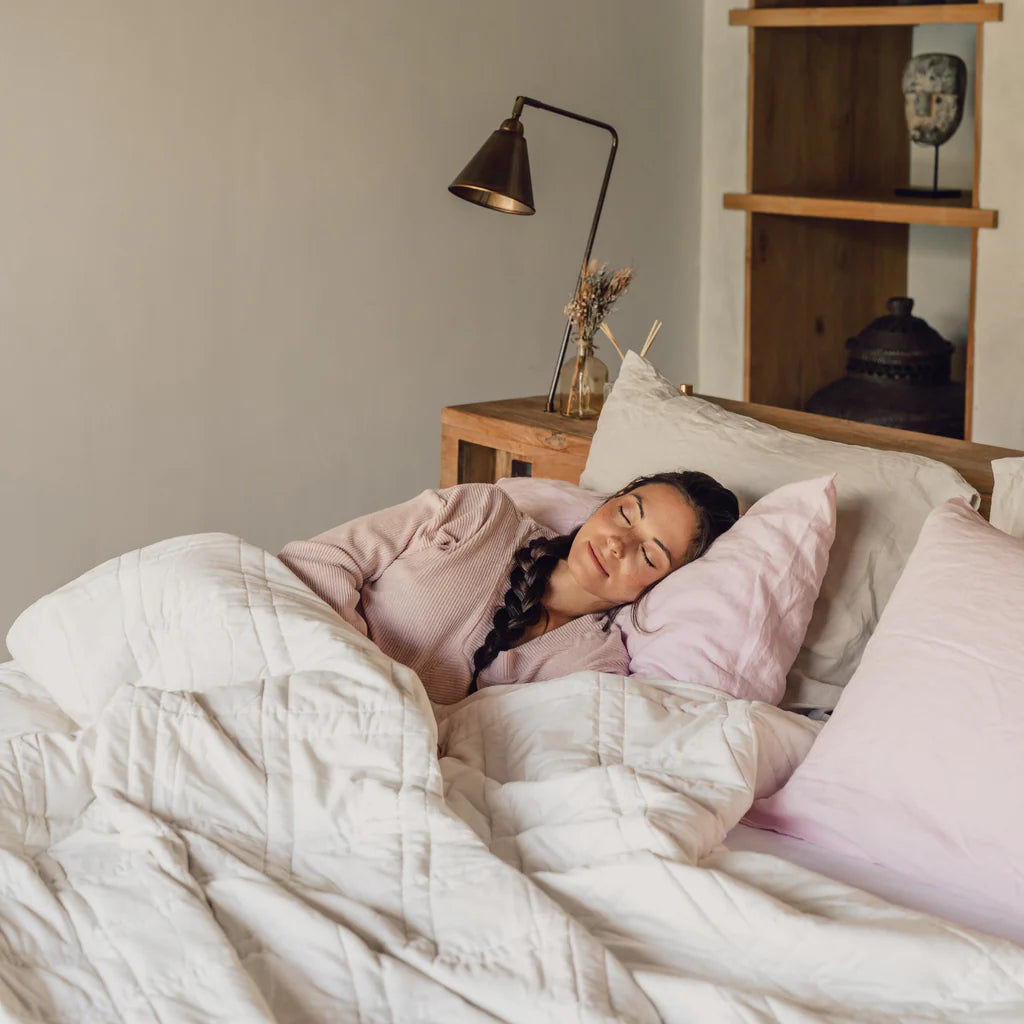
{"x": 486, "y": 441}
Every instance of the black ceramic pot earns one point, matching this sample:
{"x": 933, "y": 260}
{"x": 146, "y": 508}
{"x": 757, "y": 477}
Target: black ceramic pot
{"x": 897, "y": 375}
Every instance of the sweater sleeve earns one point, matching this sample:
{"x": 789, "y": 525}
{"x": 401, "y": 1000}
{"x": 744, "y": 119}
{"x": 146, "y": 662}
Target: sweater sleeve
{"x": 337, "y": 564}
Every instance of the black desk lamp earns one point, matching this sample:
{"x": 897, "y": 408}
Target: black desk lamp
{"x": 498, "y": 177}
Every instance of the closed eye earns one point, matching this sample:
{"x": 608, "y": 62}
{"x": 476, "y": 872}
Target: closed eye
{"x": 646, "y": 559}
{"x": 622, "y": 512}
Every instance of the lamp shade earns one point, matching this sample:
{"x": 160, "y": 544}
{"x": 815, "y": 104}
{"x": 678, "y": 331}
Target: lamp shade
{"x": 498, "y": 176}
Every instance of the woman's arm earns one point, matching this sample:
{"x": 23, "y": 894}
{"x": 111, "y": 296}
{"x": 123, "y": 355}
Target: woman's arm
{"x": 336, "y": 564}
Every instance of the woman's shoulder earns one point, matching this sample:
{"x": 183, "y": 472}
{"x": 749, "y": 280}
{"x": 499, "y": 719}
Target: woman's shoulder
{"x": 486, "y": 502}
{"x": 485, "y": 498}
{"x": 484, "y": 510}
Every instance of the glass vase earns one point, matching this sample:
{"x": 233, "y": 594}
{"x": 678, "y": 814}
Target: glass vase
{"x": 581, "y": 383}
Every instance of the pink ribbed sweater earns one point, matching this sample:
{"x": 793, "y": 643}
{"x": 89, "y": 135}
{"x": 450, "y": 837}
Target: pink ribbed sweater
{"x": 423, "y": 580}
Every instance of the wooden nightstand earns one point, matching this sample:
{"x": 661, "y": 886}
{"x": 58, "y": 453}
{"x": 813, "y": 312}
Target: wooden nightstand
{"x": 485, "y": 441}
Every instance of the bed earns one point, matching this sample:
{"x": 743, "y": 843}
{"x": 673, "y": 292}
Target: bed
{"x": 218, "y": 801}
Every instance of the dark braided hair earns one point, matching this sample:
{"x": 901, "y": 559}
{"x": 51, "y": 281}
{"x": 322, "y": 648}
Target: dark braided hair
{"x": 715, "y": 507}
{"x": 532, "y": 567}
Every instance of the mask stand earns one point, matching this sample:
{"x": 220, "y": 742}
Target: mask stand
{"x": 934, "y": 192}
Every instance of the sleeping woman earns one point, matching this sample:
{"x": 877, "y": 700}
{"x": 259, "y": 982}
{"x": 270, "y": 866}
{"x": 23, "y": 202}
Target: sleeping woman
{"x": 469, "y": 592}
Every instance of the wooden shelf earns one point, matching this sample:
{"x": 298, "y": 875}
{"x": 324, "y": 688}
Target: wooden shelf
{"x": 839, "y": 17}
{"x": 828, "y": 240}
{"x": 956, "y": 213}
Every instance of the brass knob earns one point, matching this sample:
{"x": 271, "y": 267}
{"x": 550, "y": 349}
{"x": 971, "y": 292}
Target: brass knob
{"x": 686, "y": 389}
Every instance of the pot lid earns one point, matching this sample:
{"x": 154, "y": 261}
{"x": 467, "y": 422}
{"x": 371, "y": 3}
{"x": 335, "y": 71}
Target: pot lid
{"x": 899, "y": 337}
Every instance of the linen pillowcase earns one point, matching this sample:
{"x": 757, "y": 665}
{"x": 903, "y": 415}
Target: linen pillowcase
{"x": 734, "y": 618}
{"x": 882, "y": 500}
{"x": 920, "y": 766}
{"x": 1008, "y": 496}
{"x": 555, "y": 504}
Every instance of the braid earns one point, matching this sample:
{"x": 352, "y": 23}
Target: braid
{"x": 532, "y": 567}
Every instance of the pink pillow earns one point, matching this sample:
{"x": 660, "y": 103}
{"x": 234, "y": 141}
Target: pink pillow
{"x": 921, "y": 766}
{"x": 558, "y": 505}
{"x": 735, "y": 618}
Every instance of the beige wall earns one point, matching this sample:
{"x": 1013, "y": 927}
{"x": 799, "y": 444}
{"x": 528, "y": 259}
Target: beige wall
{"x": 723, "y": 232}
{"x": 999, "y": 321}
{"x": 234, "y": 291}
{"x": 939, "y": 260}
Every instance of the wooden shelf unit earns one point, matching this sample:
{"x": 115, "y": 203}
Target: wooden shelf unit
{"x": 953, "y": 213}
{"x": 827, "y": 237}
{"x": 840, "y": 17}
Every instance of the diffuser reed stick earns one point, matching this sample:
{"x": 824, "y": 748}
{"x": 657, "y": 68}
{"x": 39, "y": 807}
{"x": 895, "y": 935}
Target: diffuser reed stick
{"x": 607, "y": 331}
{"x": 655, "y": 327}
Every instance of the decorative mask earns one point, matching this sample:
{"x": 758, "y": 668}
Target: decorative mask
{"x": 934, "y": 85}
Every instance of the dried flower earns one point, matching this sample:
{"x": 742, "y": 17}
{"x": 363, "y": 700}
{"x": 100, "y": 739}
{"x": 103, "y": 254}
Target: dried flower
{"x": 598, "y": 289}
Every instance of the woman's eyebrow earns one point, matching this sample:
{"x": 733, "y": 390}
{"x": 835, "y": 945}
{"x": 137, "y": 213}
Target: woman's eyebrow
{"x": 640, "y": 504}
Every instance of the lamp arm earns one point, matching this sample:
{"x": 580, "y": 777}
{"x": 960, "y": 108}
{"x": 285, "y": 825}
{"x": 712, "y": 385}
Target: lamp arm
{"x": 517, "y": 110}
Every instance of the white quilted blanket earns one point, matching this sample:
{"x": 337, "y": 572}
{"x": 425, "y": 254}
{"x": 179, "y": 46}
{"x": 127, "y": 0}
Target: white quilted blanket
{"x": 253, "y": 824}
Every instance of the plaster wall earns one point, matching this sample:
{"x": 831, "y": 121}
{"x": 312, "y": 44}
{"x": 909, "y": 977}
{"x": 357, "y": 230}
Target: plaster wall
{"x": 234, "y": 291}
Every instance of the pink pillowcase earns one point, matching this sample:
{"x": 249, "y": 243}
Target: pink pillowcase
{"x": 921, "y": 766}
{"x": 735, "y": 618}
{"x": 558, "y": 505}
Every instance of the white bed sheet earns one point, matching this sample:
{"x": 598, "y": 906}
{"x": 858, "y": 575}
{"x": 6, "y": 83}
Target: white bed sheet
{"x": 878, "y": 880}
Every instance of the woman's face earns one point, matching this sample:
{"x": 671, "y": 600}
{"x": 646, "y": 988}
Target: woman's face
{"x": 632, "y": 541}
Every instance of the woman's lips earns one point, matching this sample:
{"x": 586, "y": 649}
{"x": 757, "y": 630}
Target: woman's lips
{"x": 597, "y": 561}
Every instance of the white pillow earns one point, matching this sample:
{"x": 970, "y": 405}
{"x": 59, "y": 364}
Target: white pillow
{"x": 883, "y": 499}
{"x": 1008, "y": 496}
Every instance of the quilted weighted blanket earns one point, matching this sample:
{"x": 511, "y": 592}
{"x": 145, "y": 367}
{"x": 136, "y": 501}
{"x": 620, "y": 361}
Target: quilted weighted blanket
{"x": 218, "y": 802}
